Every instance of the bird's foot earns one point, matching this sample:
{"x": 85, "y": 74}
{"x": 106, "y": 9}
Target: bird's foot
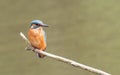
{"x": 29, "y": 48}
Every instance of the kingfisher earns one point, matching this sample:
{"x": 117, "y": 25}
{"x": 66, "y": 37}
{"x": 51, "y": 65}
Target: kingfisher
{"x": 37, "y": 36}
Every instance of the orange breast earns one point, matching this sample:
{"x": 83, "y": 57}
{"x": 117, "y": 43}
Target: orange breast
{"x": 37, "y": 38}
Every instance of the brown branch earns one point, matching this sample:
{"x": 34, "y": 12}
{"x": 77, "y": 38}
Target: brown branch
{"x": 65, "y": 60}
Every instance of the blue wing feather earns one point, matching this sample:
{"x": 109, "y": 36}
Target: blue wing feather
{"x": 45, "y": 36}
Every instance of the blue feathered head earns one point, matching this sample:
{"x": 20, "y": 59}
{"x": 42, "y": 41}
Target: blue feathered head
{"x": 39, "y": 23}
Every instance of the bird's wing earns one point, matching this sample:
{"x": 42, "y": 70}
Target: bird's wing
{"x": 44, "y": 36}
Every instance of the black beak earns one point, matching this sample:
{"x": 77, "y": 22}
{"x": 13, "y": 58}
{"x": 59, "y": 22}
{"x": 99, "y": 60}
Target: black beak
{"x": 44, "y": 25}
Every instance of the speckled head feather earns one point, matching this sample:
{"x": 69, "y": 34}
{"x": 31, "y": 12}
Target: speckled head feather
{"x": 39, "y": 22}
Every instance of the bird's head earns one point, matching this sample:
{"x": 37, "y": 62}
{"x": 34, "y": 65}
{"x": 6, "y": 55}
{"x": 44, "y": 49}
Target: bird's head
{"x": 37, "y": 23}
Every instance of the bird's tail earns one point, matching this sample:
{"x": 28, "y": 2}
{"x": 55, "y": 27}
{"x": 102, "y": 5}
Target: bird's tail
{"x": 40, "y": 55}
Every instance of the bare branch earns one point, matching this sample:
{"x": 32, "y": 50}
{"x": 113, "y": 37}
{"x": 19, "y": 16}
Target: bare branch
{"x": 65, "y": 60}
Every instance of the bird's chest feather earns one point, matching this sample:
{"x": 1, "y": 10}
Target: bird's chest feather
{"x": 36, "y": 37}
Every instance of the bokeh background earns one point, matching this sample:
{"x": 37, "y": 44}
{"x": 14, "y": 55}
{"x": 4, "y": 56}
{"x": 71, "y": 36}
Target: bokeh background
{"x": 87, "y": 31}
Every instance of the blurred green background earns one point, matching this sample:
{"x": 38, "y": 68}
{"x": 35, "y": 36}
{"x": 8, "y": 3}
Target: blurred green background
{"x": 87, "y": 31}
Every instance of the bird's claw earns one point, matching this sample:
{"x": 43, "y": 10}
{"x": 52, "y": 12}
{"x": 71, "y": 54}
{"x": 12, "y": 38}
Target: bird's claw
{"x": 29, "y": 48}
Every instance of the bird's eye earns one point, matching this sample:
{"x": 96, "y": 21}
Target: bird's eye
{"x": 37, "y": 24}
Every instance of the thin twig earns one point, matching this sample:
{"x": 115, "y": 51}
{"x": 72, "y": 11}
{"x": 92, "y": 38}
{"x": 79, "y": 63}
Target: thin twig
{"x": 71, "y": 62}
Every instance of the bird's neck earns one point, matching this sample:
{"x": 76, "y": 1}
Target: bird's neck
{"x": 40, "y": 28}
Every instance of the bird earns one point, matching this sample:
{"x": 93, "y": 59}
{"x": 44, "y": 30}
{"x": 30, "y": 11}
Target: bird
{"x": 37, "y": 36}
